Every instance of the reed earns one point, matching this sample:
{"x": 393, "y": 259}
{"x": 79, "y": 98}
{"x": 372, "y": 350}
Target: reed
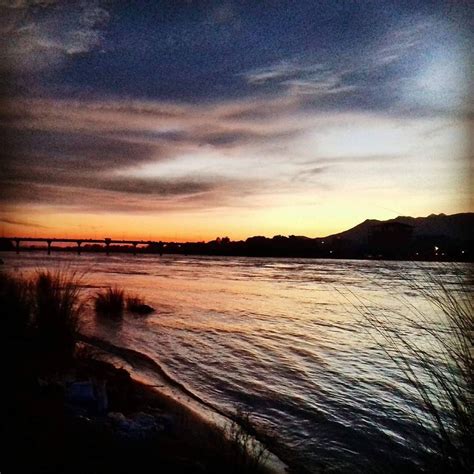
{"x": 15, "y": 305}
{"x": 246, "y": 454}
{"x": 110, "y": 302}
{"x": 57, "y": 310}
{"x": 137, "y": 305}
{"x": 444, "y": 382}
{"x": 42, "y": 313}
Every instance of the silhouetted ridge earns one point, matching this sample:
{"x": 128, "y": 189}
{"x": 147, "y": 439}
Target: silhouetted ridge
{"x": 435, "y": 237}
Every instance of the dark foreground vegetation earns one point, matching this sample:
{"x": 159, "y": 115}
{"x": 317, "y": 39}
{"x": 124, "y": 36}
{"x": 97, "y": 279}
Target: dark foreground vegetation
{"x": 444, "y": 382}
{"x": 112, "y": 302}
{"x": 69, "y": 411}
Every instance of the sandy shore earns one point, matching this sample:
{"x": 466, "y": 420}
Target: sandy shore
{"x": 94, "y": 417}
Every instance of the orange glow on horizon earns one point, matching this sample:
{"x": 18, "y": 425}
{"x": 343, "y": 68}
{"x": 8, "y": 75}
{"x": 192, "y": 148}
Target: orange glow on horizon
{"x": 317, "y": 220}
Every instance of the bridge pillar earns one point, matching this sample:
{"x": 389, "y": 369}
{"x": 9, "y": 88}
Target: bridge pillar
{"x": 17, "y": 242}
{"x": 79, "y": 242}
{"x": 49, "y": 247}
{"x": 134, "y": 248}
{"x": 107, "y": 249}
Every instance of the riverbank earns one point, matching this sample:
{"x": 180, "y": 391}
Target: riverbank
{"x": 272, "y": 340}
{"x": 93, "y": 417}
{"x": 71, "y": 408}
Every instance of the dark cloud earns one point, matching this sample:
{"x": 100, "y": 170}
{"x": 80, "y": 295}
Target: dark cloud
{"x": 164, "y": 197}
{"x": 124, "y": 185}
{"x": 76, "y": 151}
{"x": 235, "y": 138}
{"x": 41, "y": 36}
{"x": 352, "y": 159}
{"x": 23, "y": 223}
{"x": 92, "y": 169}
{"x": 336, "y": 55}
{"x": 157, "y": 187}
{"x": 308, "y": 174}
{"x": 86, "y": 155}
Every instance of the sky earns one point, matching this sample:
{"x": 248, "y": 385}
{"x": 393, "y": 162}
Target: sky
{"x": 188, "y": 120}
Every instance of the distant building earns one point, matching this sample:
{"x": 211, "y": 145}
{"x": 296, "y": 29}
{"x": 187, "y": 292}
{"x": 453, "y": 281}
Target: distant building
{"x": 390, "y": 239}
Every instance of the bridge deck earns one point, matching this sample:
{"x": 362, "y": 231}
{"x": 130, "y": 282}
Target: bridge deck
{"x": 106, "y": 242}
{"x": 82, "y": 241}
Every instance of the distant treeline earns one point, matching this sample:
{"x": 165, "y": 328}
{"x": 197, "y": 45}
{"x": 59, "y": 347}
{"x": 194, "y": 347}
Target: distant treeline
{"x": 420, "y": 248}
{"x": 435, "y": 237}
{"x": 417, "y": 248}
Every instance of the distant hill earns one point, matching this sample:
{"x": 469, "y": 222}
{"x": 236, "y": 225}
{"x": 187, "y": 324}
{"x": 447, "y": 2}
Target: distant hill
{"x": 435, "y": 237}
{"x": 454, "y": 227}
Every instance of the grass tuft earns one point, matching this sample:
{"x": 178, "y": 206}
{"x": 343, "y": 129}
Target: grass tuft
{"x": 137, "y": 305}
{"x": 42, "y": 313}
{"x": 15, "y": 305}
{"x": 57, "y": 311}
{"x": 110, "y": 302}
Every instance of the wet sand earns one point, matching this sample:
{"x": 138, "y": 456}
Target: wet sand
{"x": 132, "y": 427}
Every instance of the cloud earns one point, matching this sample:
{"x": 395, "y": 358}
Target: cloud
{"x": 281, "y": 70}
{"x": 23, "y": 223}
{"x": 149, "y": 156}
{"x": 21, "y": 4}
{"x": 352, "y": 159}
{"x": 24, "y": 4}
{"x": 417, "y": 65}
{"x": 117, "y": 195}
{"x": 299, "y": 77}
{"x": 87, "y": 155}
{"x": 39, "y": 35}
{"x": 309, "y": 173}
{"x": 151, "y": 123}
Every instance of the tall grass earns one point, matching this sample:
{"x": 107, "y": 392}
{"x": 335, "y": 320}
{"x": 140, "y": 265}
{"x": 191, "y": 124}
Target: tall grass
{"x": 15, "y": 306}
{"x": 436, "y": 357}
{"x": 137, "y": 305}
{"x": 110, "y": 302}
{"x": 57, "y": 311}
{"x": 42, "y": 313}
{"x": 247, "y": 454}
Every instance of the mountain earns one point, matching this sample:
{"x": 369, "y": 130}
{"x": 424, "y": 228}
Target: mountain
{"x": 454, "y": 227}
{"x": 435, "y": 237}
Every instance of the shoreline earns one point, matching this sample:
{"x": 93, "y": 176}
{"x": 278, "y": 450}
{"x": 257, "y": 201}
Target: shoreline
{"x": 177, "y": 398}
{"x": 114, "y": 251}
{"x": 68, "y": 395}
{"x": 97, "y": 415}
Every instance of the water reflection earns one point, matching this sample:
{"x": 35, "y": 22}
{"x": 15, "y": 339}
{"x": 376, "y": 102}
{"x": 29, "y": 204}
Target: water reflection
{"x": 284, "y": 338}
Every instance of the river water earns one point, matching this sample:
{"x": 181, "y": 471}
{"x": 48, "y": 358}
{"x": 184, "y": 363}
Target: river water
{"x": 283, "y": 339}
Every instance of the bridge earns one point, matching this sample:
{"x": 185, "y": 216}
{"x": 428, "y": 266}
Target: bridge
{"x": 107, "y": 242}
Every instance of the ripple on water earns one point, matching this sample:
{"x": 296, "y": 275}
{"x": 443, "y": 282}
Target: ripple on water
{"x": 281, "y": 338}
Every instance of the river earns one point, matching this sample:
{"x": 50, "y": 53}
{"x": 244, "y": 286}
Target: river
{"x": 283, "y": 339}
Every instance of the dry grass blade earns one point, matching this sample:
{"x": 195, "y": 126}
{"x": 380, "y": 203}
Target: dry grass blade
{"x": 436, "y": 357}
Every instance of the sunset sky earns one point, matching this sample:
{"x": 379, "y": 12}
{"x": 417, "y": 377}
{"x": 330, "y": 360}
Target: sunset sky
{"x": 188, "y": 120}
